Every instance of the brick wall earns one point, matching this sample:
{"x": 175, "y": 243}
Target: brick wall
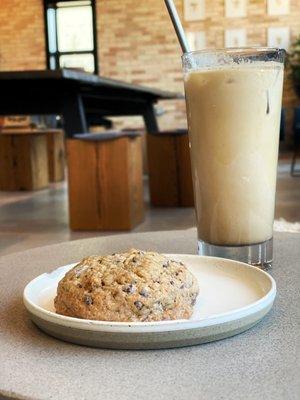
{"x": 22, "y": 38}
{"x": 137, "y": 42}
{"x": 140, "y": 46}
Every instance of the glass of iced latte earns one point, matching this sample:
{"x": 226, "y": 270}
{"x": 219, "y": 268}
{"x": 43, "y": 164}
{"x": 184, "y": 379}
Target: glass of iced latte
{"x": 233, "y": 99}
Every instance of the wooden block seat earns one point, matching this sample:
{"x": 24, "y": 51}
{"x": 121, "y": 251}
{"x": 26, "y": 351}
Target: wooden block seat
{"x": 170, "y": 177}
{"x": 23, "y": 160}
{"x": 105, "y": 181}
{"x": 144, "y": 147}
{"x": 56, "y": 155}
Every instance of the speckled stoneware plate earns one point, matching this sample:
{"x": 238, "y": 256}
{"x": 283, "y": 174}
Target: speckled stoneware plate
{"x": 233, "y": 297}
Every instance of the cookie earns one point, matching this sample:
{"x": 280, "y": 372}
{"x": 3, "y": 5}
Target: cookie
{"x": 131, "y": 286}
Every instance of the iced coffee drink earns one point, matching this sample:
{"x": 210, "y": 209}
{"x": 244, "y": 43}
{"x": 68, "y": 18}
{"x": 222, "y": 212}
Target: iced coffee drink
{"x": 233, "y": 112}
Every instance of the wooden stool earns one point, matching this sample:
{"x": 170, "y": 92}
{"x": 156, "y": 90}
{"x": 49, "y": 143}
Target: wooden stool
{"x": 56, "y": 155}
{"x": 144, "y": 146}
{"x": 23, "y": 160}
{"x": 105, "y": 181}
{"x": 170, "y": 176}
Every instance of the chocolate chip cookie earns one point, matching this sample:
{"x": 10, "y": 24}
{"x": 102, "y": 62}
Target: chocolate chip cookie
{"x": 131, "y": 286}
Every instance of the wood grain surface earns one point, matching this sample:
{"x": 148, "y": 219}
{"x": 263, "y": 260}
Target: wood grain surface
{"x": 105, "y": 184}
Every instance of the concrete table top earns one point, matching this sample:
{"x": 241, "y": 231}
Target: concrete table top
{"x": 261, "y": 363}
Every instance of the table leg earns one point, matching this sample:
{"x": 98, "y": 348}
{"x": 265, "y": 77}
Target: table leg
{"x": 74, "y": 115}
{"x": 150, "y": 119}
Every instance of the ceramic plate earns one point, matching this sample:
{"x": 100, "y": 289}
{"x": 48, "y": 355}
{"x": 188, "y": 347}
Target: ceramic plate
{"x": 233, "y": 297}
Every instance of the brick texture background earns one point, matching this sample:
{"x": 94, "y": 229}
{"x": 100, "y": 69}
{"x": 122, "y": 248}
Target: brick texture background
{"x": 22, "y": 42}
{"x": 137, "y": 42}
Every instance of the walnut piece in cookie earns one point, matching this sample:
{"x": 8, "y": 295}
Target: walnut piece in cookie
{"x": 127, "y": 287}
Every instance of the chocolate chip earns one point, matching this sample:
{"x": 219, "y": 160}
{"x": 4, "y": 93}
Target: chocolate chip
{"x": 181, "y": 263}
{"x": 182, "y": 286}
{"x": 176, "y": 273}
{"x": 144, "y": 293}
{"x": 138, "y": 304}
{"x": 79, "y": 285}
{"x": 172, "y": 282}
{"x": 129, "y": 288}
{"x": 134, "y": 259}
{"x": 166, "y": 265}
{"x": 88, "y": 300}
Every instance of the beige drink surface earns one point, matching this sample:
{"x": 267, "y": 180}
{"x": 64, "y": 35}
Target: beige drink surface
{"x": 234, "y": 117}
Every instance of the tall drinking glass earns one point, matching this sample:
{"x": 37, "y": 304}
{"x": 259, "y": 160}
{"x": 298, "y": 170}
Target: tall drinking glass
{"x": 233, "y": 99}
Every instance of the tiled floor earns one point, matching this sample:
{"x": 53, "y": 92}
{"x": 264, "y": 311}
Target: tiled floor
{"x": 30, "y": 219}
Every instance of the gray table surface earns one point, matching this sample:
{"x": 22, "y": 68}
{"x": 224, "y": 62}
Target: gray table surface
{"x": 262, "y": 363}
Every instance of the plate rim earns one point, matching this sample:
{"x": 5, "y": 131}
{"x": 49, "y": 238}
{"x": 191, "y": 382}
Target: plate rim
{"x": 158, "y": 326}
